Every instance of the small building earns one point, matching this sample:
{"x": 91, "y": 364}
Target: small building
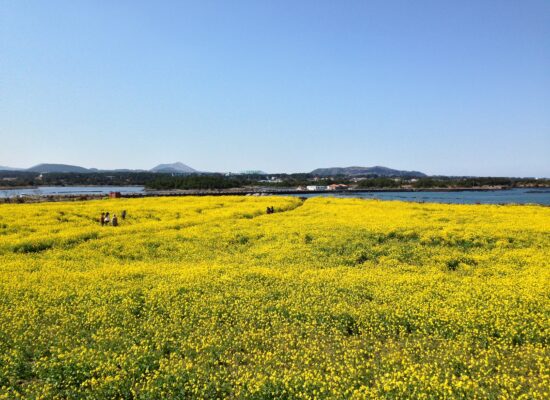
{"x": 315, "y": 188}
{"x": 115, "y": 195}
{"x": 337, "y": 186}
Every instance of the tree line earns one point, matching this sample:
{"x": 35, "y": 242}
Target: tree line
{"x": 204, "y": 181}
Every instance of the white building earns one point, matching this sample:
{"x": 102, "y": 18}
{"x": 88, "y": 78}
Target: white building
{"x": 314, "y": 188}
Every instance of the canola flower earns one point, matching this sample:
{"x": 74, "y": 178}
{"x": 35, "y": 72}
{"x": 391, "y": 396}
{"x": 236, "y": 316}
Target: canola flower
{"x": 209, "y": 297}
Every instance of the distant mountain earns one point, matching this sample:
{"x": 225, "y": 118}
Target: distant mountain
{"x": 355, "y": 171}
{"x": 253, "y": 172}
{"x": 123, "y": 170}
{"x": 51, "y": 168}
{"x": 176, "y": 167}
{"x": 45, "y": 168}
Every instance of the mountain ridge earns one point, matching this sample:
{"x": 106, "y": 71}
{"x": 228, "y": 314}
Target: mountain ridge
{"x": 48, "y": 168}
{"x": 177, "y": 167}
{"x": 4, "y": 168}
{"x": 181, "y": 168}
{"x": 356, "y": 170}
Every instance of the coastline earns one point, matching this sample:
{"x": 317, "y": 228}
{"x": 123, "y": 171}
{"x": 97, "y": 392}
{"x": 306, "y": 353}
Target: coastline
{"x": 251, "y": 190}
{"x": 59, "y": 186}
{"x": 258, "y": 190}
{"x": 75, "y": 195}
{"x": 269, "y": 191}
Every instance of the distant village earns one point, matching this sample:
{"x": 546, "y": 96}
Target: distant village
{"x": 178, "y": 177}
{"x": 355, "y": 185}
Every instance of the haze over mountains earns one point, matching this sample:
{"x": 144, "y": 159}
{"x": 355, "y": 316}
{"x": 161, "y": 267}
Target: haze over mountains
{"x": 181, "y": 168}
{"x": 176, "y": 167}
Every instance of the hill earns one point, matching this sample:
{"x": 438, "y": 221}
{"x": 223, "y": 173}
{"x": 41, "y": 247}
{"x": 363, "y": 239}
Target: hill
{"x": 44, "y": 168}
{"x": 4, "y": 168}
{"x": 176, "y": 167}
{"x": 356, "y": 171}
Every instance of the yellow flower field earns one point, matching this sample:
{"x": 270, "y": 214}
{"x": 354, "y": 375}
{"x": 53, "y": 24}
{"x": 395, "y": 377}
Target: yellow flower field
{"x": 210, "y": 297}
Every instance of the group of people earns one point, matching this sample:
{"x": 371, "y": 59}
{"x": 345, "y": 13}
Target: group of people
{"x": 106, "y": 219}
{"x": 270, "y": 210}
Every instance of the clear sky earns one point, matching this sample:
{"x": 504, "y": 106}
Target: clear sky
{"x": 445, "y": 87}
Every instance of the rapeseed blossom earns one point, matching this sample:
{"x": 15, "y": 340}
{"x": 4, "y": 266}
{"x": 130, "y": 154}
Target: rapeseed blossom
{"x": 210, "y": 297}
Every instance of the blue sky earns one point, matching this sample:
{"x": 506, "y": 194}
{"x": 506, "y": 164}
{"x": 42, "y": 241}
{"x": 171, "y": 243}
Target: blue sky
{"x": 444, "y": 87}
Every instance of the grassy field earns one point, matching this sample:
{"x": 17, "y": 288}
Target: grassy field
{"x": 329, "y": 298}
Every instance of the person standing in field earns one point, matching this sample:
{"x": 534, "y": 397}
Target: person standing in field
{"x": 102, "y": 219}
{"x": 123, "y": 214}
{"x": 107, "y": 219}
{"x": 115, "y": 220}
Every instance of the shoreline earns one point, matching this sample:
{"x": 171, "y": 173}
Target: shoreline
{"x": 250, "y": 191}
{"x": 58, "y": 186}
{"x": 263, "y": 189}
